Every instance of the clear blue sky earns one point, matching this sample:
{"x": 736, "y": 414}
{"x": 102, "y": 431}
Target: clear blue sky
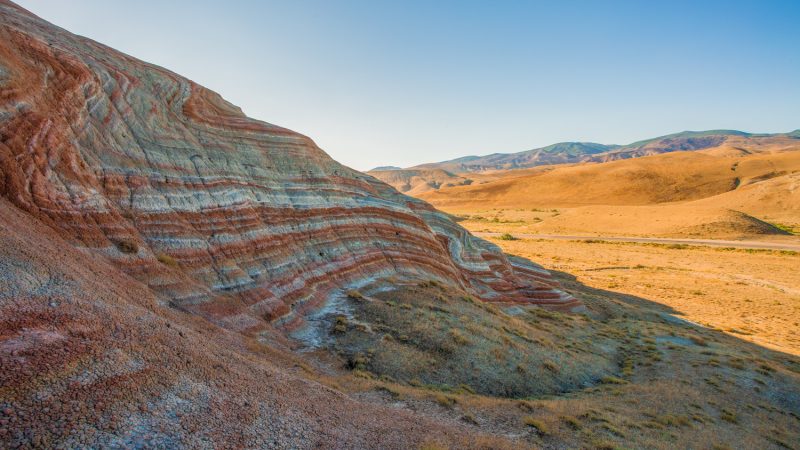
{"x": 406, "y": 82}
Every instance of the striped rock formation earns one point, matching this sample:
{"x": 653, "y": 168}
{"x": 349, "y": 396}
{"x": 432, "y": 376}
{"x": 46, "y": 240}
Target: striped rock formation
{"x": 242, "y": 222}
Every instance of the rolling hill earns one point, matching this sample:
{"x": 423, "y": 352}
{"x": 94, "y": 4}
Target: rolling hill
{"x": 730, "y": 190}
{"x": 478, "y": 169}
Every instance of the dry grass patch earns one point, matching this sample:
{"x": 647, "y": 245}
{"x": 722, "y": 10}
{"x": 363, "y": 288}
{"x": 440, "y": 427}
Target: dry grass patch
{"x": 532, "y": 422}
{"x": 167, "y": 260}
{"x": 127, "y": 246}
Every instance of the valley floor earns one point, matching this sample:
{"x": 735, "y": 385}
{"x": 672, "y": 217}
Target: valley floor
{"x": 706, "y": 340}
{"x": 751, "y": 294}
{"x": 746, "y": 245}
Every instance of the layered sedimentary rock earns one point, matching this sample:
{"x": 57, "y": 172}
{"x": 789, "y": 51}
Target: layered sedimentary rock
{"x": 240, "y": 221}
{"x": 89, "y": 359}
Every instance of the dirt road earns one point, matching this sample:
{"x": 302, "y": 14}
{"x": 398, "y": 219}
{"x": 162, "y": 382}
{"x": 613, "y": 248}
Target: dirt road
{"x": 708, "y": 242}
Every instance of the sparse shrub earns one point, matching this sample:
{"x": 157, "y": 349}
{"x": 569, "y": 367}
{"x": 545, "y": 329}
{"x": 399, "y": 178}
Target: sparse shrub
{"x": 340, "y": 325}
{"x": 392, "y": 392}
{"x": 674, "y": 420}
{"x": 537, "y": 424}
{"x": 167, "y": 260}
{"x": 363, "y": 374}
{"x": 609, "y": 379}
{"x": 128, "y": 246}
{"x": 764, "y": 369}
{"x": 599, "y": 444}
{"x": 572, "y": 422}
{"x": 728, "y": 416}
{"x": 525, "y": 405}
{"x": 612, "y": 429}
{"x": 469, "y": 418}
{"x": 498, "y": 354}
{"x": 463, "y": 388}
{"x": 507, "y": 237}
{"x": 627, "y": 367}
{"x": 551, "y": 366}
{"x": 355, "y": 295}
{"x": 445, "y": 400}
{"x": 358, "y": 363}
{"x": 433, "y": 446}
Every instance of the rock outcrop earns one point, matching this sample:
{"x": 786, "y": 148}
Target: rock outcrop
{"x": 242, "y": 222}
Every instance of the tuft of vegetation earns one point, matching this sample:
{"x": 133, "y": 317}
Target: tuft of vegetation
{"x": 507, "y": 237}
{"x": 728, "y": 416}
{"x": 458, "y": 337}
{"x": 697, "y": 340}
{"x": 127, "y": 246}
{"x": 550, "y": 365}
{"x": 787, "y": 228}
{"x": 446, "y": 400}
{"x": 167, "y": 260}
{"x": 469, "y": 418}
{"x": 355, "y": 295}
{"x": 340, "y": 326}
{"x": 609, "y": 379}
{"x": 433, "y": 446}
{"x": 395, "y": 394}
{"x": 540, "y": 427}
{"x": 572, "y": 422}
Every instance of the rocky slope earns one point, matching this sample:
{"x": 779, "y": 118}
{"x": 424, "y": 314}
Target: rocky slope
{"x": 240, "y": 221}
{"x": 158, "y": 245}
{"x": 417, "y": 181}
{"x": 90, "y": 359}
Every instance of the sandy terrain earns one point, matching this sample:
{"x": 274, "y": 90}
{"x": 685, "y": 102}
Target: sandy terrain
{"x": 753, "y": 294}
{"x": 721, "y": 193}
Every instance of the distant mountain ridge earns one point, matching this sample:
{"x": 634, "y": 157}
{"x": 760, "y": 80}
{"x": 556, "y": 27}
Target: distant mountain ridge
{"x": 386, "y": 168}
{"x": 480, "y": 169}
{"x": 576, "y": 152}
{"x": 560, "y": 153}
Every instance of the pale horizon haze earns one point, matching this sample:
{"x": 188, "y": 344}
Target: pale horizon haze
{"x": 404, "y": 83}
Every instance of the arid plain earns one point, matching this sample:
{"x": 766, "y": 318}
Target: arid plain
{"x": 743, "y": 195}
{"x": 703, "y": 242}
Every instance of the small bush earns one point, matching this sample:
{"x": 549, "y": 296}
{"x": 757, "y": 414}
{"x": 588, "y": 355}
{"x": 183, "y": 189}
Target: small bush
{"x": 507, "y": 237}
{"x": 341, "y": 324}
{"x": 128, "y": 246}
{"x": 469, "y": 418}
{"x": 534, "y": 423}
{"x": 550, "y": 365}
{"x": 458, "y": 337}
{"x": 433, "y": 446}
{"x": 728, "y": 416}
{"x": 355, "y": 295}
{"x": 673, "y": 420}
{"x": 608, "y": 379}
{"x": 392, "y": 392}
{"x": 445, "y": 400}
{"x": 167, "y": 260}
{"x": 572, "y": 422}
{"x": 463, "y": 388}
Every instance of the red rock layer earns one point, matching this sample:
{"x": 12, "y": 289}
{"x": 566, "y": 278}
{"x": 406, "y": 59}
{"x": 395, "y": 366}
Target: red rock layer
{"x": 89, "y": 359}
{"x": 118, "y": 154}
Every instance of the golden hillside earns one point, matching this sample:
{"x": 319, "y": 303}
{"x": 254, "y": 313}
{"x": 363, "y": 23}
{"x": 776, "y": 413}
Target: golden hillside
{"x": 741, "y": 188}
